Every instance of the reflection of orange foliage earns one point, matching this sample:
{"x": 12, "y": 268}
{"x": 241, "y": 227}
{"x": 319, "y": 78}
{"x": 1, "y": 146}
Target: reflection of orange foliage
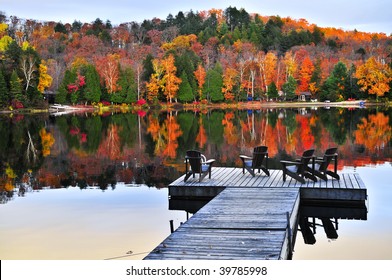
{"x": 110, "y": 146}
{"x": 173, "y": 132}
{"x": 229, "y": 131}
{"x": 304, "y": 133}
{"x": 47, "y": 141}
{"x": 165, "y": 136}
{"x": 201, "y": 137}
{"x": 153, "y": 127}
{"x": 374, "y": 132}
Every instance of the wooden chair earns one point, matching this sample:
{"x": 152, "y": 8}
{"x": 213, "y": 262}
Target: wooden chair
{"x": 260, "y": 154}
{"x": 196, "y": 163}
{"x": 322, "y": 164}
{"x": 299, "y": 169}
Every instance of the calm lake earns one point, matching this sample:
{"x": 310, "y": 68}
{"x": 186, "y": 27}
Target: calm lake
{"x": 94, "y": 186}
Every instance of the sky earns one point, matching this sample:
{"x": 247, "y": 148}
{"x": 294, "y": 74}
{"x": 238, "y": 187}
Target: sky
{"x": 363, "y": 15}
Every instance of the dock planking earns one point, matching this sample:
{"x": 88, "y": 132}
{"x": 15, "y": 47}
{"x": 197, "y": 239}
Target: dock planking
{"x": 248, "y": 217}
{"x": 238, "y": 224}
{"x": 349, "y": 187}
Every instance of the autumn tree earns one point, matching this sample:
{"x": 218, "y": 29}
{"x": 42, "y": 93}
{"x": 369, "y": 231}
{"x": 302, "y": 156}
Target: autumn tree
{"x": 45, "y": 80}
{"x": 374, "y": 77}
{"x": 170, "y": 79}
{"x": 267, "y": 66}
{"x": 156, "y": 82}
{"x": 200, "y": 75}
{"x": 229, "y": 83}
{"x": 305, "y": 74}
{"x": 108, "y": 69}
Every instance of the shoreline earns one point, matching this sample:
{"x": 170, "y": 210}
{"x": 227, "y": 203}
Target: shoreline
{"x": 58, "y": 109}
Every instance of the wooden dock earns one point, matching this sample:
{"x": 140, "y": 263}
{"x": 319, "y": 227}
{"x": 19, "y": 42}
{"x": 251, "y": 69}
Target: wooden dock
{"x": 248, "y": 217}
{"x": 349, "y": 188}
{"x": 238, "y": 224}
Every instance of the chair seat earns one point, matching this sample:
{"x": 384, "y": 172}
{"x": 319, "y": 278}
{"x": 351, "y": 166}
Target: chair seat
{"x": 204, "y": 167}
{"x": 248, "y": 163}
{"x": 292, "y": 168}
{"x": 316, "y": 166}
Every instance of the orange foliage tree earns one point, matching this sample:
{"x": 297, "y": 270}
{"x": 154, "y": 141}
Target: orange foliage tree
{"x": 229, "y": 80}
{"x": 267, "y": 68}
{"x": 200, "y": 75}
{"x": 374, "y": 77}
{"x": 172, "y": 82}
{"x": 156, "y": 81}
{"x": 108, "y": 69}
{"x": 305, "y": 74}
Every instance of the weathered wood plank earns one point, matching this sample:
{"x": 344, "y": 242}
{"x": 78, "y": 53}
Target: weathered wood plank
{"x": 240, "y": 223}
{"x": 247, "y": 219}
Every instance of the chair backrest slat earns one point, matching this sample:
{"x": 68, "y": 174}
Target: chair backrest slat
{"x": 195, "y": 159}
{"x": 327, "y": 158}
{"x": 305, "y": 160}
{"x": 259, "y": 153}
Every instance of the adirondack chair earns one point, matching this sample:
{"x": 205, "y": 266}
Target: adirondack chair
{"x": 196, "y": 163}
{"x": 322, "y": 163}
{"x": 260, "y": 154}
{"x": 299, "y": 169}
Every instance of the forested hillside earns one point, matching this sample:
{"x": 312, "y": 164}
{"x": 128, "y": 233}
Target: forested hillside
{"x": 209, "y": 56}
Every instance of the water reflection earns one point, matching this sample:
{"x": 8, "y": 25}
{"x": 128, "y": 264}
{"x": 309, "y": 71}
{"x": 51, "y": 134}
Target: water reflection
{"x": 94, "y": 150}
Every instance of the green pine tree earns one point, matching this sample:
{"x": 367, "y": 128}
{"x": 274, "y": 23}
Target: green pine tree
{"x": 273, "y": 91}
{"x": 92, "y": 90}
{"x": 4, "y": 94}
{"x": 16, "y": 90}
{"x": 185, "y": 93}
{"x": 63, "y": 96}
{"x": 289, "y": 88}
{"x": 213, "y": 85}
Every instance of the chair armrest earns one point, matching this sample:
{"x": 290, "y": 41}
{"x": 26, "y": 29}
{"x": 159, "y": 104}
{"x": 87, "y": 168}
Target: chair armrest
{"x": 287, "y": 162}
{"x": 245, "y": 157}
{"x": 210, "y": 161}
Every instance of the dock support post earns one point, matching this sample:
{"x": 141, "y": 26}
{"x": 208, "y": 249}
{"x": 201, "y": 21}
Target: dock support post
{"x": 171, "y": 226}
{"x": 289, "y": 236}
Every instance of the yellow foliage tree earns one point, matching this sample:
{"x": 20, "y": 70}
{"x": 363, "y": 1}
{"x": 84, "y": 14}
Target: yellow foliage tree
{"x": 45, "y": 80}
{"x": 374, "y": 77}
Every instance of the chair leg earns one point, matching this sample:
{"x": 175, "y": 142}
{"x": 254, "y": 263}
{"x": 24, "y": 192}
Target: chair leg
{"x": 187, "y": 175}
{"x": 333, "y": 174}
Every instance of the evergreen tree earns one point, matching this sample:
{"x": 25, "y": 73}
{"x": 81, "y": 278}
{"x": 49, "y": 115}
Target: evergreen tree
{"x": 63, "y": 94}
{"x": 4, "y": 94}
{"x": 273, "y": 91}
{"x": 289, "y": 88}
{"x": 92, "y": 90}
{"x": 16, "y": 90}
{"x": 128, "y": 88}
{"x": 148, "y": 67}
{"x": 214, "y": 83}
{"x": 185, "y": 93}
{"x": 337, "y": 85}
{"x": 315, "y": 80}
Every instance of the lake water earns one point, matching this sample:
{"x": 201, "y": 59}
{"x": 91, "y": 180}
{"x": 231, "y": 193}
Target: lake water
{"x": 94, "y": 186}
